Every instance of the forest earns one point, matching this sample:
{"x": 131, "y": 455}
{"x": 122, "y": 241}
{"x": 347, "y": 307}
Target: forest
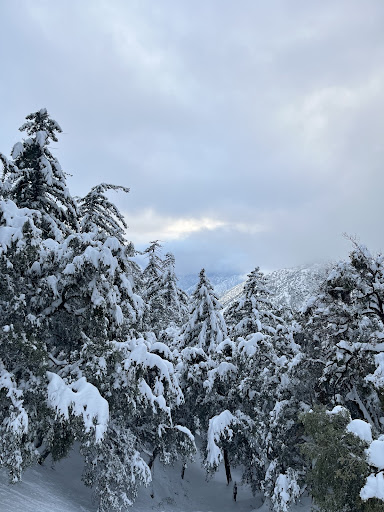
{"x": 98, "y": 352}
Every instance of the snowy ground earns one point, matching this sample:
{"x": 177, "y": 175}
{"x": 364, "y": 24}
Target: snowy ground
{"x": 59, "y": 489}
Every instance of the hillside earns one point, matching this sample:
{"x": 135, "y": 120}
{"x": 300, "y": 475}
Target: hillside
{"x": 220, "y": 282}
{"x": 58, "y": 488}
{"x": 290, "y": 286}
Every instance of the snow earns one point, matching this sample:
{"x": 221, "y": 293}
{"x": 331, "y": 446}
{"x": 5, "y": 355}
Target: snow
{"x": 18, "y": 417}
{"x": 13, "y": 221}
{"x": 286, "y": 490}
{"x": 374, "y": 487}
{"x": 219, "y": 426}
{"x": 250, "y": 345}
{"x": 162, "y": 349}
{"x": 82, "y": 399}
{"x": 58, "y": 488}
{"x": 18, "y": 150}
{"x": 338, "y": 409}
{"x": 96, "y": 256}
{"x": 46, "y": 170}
{"x": 375, "y": 453}
{"x": 361, "y": 429}
{"x": 222, "y": 371}
{"x": 186, "y": 431}
{"x": 377, "y": 378}
{"x": 146, "y": 392}
{"x": 41, "y": 138}
{"x": 140, "y": 356}
{"x": 48, "y": 488}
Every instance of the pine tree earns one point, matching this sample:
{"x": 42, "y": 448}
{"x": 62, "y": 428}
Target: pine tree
{"x": 206, "y": 327}
{"x": 153, "y": 290}
{"x": 24, "y": 413}
{"x": 346, "y": 324}
{"x": 72, "y": 363}
{"x": 35, "y": 180}
{"x": 257, "y": 426}
{"x": 337, "y": 462}
{"x": 254, "y": 311}
{"x": 175, "y": 299}
{"x": 100, "y": 216}
{"x": 201, "y": 374}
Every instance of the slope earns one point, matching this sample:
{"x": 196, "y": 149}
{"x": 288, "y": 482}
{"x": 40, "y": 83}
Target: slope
{"x": 59, "y": 488}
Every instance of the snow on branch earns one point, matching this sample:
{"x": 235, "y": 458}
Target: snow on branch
{"x": 219, "y": 427}
{"x": 17, "y": 421}
{"x": 374, "y": 487}
{"x": 13, "y": 220}
{"x": 81, "y": 399}
{"x": 165, "y": 375}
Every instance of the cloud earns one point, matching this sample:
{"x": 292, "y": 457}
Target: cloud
{"x": 248, "y": 134}
{"x": 147, "y": 225}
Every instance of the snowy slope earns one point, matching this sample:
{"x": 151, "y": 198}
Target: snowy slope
{"x": 289, "y": 286}
{"x": 220, "y": 282}
{"x": 59, "y": 489}
{"x": 232, "y": 295}
{"x": 293, "y": 286}
{"x": 48, "y": 489}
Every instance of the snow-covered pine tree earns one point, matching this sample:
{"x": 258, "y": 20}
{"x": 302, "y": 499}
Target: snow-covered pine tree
{"x": 71, "y": 366}
{"x": 221, "y": 405}
{"x": 200, "y": 336}
{"x": 254, "y": 311}
{"x": 35, "y": 206}
{"x": 100, "y": 216}
{"x": 23, "y": 357}
{"x": 346, "y": 324}
{"x": 143, "y": 392}
{"x": 268, "y": 406}
{"x": 258, "y": 428}
{"x": 203, "y": 341}
{"x": 139, "y": 384}
{"x": 34, "y": 178}
{"x": 175, "y": 299}
{"x": 206, "y": 327}
{"x": 152, "y": 291}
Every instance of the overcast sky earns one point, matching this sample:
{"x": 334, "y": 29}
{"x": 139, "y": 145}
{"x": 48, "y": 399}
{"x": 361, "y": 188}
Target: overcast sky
{"x": 250, "y": 132}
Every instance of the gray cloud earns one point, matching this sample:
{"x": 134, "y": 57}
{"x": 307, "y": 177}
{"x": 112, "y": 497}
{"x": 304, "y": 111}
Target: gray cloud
{"x": 216, "y": 114}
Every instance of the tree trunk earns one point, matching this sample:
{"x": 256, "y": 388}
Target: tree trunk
{"x": 150, "y": 465}
{"x": 43, "y": 456}
{"x": 152, "y": 459}
{"x": 227, "y": 467}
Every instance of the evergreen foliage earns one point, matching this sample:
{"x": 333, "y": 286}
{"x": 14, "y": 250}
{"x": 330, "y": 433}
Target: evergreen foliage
{"x": 337, "y": 464}
{"x": 254, "y": 311}
{"x": 206, "y": 327}
{"x": 34, "y": 178}
{"x": 72, "y": 363}
{"x": 345, "y": 322}
{"x": 175, "y": 299}
{"x": 100, "y": 216}
{"x": 94, "y": 350}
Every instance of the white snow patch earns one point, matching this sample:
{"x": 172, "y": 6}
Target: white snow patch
{"x": 361, "y": 429}
{"x": 82, "y": 399}
{"x": 373, "y": 488}
{"x": 375, "y": 453}
{"x": 219, "y": 426}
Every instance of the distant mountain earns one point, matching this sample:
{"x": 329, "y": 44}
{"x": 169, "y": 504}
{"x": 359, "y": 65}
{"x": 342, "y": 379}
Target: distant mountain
{"x": 294, "y": 286}
{"x": 232, "y": 295}
{"x": 289, "y": 286}
{"x": 220, "y": 282}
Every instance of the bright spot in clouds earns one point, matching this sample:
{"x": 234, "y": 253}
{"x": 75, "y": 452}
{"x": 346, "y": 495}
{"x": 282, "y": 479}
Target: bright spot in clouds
{"x": 148, "y": 225}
